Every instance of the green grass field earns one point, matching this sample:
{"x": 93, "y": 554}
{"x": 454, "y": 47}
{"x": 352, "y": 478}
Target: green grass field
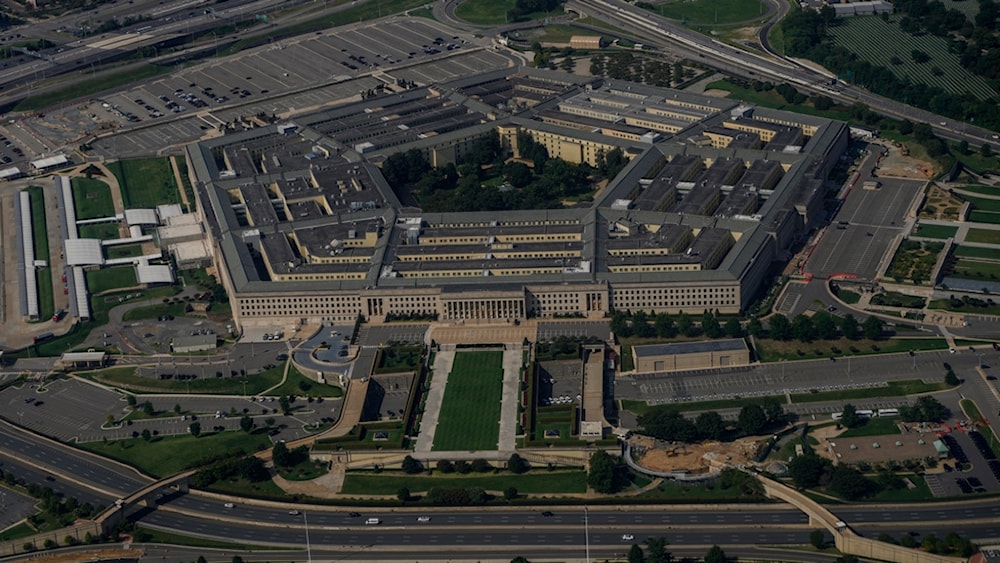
{"x": 85, "y": 88}
{"x": 484, "y": 12}
{"x": 977, "y": 252}
{"x": 46, "y": 296}
{"x": 986, "y": 236}
{"x": 975, "y": 269}
{"x": 985, "y": 190}
{"x": 154, "y": 311}
{"x": 298, "y": 384}
{"x": 125, "y": 378}
{"x": 101, "y": 231}
{"x": 92, "y": 198}
{"x": 711, "y": 12}
{"x": 107, "y": 279}
{"x": 146, "y": 183}
{"x": 124, "y": 251}
{"x": 873, "y": 427}
{"x": 983, "y": 204}
{"x": 991, "y": 217}
{"x": 166, "y": 455}
{"x": 535, "y": 481}
{"x": 470, "y": 411}
{"x": 39, "y": 228}
{"x": 877, "y": 42}
{"x": 772, "y": 99}
{"x": 936, "y": 231}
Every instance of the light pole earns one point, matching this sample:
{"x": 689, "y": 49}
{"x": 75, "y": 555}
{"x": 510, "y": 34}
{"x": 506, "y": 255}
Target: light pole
{"x": 586, "y": 532}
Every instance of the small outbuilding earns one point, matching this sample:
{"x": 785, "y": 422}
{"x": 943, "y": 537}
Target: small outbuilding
{"x": 194, "y": 343}
{"x": 83, "y": 360}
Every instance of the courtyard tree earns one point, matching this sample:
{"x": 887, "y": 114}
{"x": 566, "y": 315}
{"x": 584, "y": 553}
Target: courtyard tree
{"x": 710, "y": 425}
{"x": 752, "y": 419}
{"x": 517, "y": 464}
{"x": 412, "y": 465}
{"x": 849, "y": 327}
{"x": 873, "y": 327}
{"x": 808, "y": 470}
{"x": 601, "y": 476}
{"x": 779, "y": 328}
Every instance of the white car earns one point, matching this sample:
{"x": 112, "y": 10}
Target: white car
{"x": 423, "y": 519}
{"x": 293, "y": 512}
{"x": 627, "y": 537}
{"x": 229, "y": 505}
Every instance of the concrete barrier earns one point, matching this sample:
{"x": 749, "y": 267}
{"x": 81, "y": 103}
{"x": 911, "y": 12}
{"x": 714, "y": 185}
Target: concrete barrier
{"x": 77, "y": 531}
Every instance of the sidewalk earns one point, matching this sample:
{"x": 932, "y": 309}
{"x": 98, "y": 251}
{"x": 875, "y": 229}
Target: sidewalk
{"x": 443, "y": 361}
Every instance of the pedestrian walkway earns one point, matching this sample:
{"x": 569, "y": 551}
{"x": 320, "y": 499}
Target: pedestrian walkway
{"x": 507, "y": 441}
{"x": 443, "y": 361}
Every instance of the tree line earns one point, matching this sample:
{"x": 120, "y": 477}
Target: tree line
{"x": 665, "y": 422}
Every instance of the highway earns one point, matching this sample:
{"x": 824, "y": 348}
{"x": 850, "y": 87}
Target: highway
{"x": 662, "y": 32}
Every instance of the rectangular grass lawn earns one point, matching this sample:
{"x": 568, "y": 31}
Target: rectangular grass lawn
{"x": 146, "y": 182}
{"x": 536, "y": 481}
{"x": 92, "y": 198}
{"x": 470, "y": 410}
{"x": 936, "y": 231}
{"x": 987, "y": 236}
{"x": 110, "y": 278}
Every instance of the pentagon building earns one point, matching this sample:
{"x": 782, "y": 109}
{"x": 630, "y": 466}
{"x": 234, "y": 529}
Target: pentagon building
{"x": 305, "y": 229}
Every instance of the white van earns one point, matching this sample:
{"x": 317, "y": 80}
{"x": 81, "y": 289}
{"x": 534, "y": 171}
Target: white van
{"x": 373, "y": 521}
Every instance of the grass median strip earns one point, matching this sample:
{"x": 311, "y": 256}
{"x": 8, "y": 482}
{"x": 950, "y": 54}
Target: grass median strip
{"x": 535, "y": 481}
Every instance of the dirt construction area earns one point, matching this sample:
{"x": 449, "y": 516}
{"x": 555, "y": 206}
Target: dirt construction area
{"x": 694, "y": 459}
{"x": 899, "y": 164}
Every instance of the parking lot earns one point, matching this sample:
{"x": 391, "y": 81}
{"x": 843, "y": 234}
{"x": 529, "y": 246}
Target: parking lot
{"x": 867, "y": 223}
{"x": 305, "y": 73}
{"x": 560, "y": 382}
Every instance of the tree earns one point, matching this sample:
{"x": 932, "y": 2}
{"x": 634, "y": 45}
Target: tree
{"x": 445, "y": 466}
{"x": 280, "y": 454}
{"x": 237, "y": 559}
{"x": 663, "y": 326}
{"x": 284, "y": 404}
{"x": 752, "y": 419}
{"x": 601, "y": 476}
{"x": 808, "y": 470}
{"x": 666, "y": 423}
{"x": 803, "y": 329}
{"x": 246, "y": 424}
{"x": 715, "y": 555}
{"x": 685, "y": 325}
{"x": 951, "y": 379}
{"x": 986, "y": 150}
{"x": 656, "y": 550}
{"x": 822, "y": 103}
{"x": 850, "y": 483}
{"x": 710, "y": 425}
{"x": 147, "y": 408}
{"x": 519, "y": 559}
{"x": 905, "y": 126}
{"x": 412, "y": 465}
{"x": 873, "y": 327}
{"x": 146, "y": 434}
{"x": 779, "y": 328}
{"x": 195, "y": 429}
{"x": 817, "y": 538}
{"x": 733, "y": 328}
{"x": 754, "y": 328}
{"x": 403, "y": 494}
{"x": 635, "y": 554}
{"x": 510, "y": 493}
{"x": 849, "y": 417}
{"x": 849, "y": 327}
{"x": 517, "y": 464}
{"x": 826, "y": 326}
{"x": 710, "y": 325}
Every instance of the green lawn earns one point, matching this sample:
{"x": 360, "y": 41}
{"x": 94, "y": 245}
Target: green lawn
{"x": 974, "y": 269}
{"x": 893, "y": 299}
{"x": 484, "y": 12}
{"x": 772, "y": 99}
{"x": 936, "y": 231}
{"x": 125, "y": 378}
{"x": 536, "y": 481}
{"x": 21, "y": 530}
{"x": 46, "y": 300}
{"x": 986, "y": 236}
{"x": 86, "y": 88}
{"x": 166, "y": 455}
{"x": 977, "y": 252}
{"x": 146, "y": 183}
{"x": 983, "y": 204}
{"x": 774, "y": 350}
{"x": 985, "y": 190}
{"x": 711, "y": 11}
{"x": 186, "y": 183}
{"x": 874, "y": 427}
{"x": 107, "y": 279}
{"x": 92, "y": 198}
{"x": 848, "y": 296}
{"x": 124, "y": 251}
{"x": 470, "y": 411}
{"x": 101, "y": 231}
{"x": 305, "y": 471}
{"x": 946, "y": 305}
{"x": 298, "y": 384}
{"x": 991, "y": 217}
{"x": 39, "y": 228}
